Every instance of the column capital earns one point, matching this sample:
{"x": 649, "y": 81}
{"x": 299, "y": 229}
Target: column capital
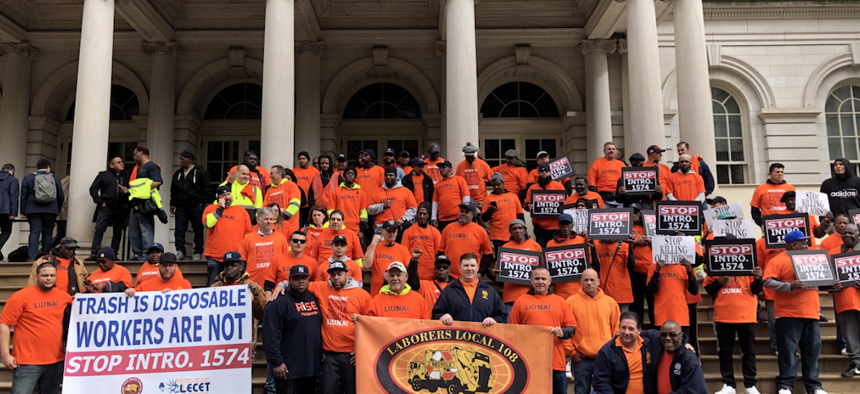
{"x": 21, "y": 49}
{"x": 589, "y": 46}
{"x": 317, "y": 47}
{"x": 171, "y": 48}
{"x": 441, "y": 47}
{"x": 622, "y": 46}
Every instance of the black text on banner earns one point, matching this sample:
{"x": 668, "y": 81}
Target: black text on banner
{"x": 561, "y": 168}
{"x": 547, "y": 203}
{"x": 640, "y": 180}
{"x": 515, "y": 266}
{"x": 610, "y": 224}
{"x": 679, "y": 217}
{"x": 566, "y": 263}
{"x": 847, "y": 267}
{"x": 777, "y": 226}
{"x": 730, "y": 257}
{"x": 812, "y": 267}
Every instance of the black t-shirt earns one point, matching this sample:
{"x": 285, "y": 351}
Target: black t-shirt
{"x": 150, "y": 170}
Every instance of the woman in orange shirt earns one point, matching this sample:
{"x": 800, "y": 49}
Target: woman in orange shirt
{"x": 317, "y": 222}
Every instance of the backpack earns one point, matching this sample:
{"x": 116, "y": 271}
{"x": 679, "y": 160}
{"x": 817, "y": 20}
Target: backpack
{"x": 45, "y": 188}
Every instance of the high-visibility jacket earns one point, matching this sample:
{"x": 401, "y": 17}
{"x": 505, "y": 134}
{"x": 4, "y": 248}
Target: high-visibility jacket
{"x": 247, "y": 196}
{"x": 141, "y": 189}
{"x": 288, "y": 196}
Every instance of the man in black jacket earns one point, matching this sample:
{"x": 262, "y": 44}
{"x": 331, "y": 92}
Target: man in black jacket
{"x": 424, "y": 180}
{"x": 189, "y": 193}
{"x": 843, "y": 188}
{"x": 110, "y": 194}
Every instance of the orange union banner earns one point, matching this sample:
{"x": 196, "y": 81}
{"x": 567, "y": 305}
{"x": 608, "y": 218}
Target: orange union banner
{"x": 426, "y": 356}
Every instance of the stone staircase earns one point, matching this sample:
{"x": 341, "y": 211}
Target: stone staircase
{"x": 13, "y": 276}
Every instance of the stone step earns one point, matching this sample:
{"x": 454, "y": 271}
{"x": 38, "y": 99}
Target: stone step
{"x": 767, "y": 363}
{"x": 833, "y": 383}
{"x": 761, "y": 346}
{"x": 706, "y": 329}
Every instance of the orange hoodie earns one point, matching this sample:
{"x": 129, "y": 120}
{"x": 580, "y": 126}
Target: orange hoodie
{"x": 597, "y": 321}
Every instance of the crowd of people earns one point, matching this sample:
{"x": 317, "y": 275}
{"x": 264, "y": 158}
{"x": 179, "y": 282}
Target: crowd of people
{"x": 429, "y": 235}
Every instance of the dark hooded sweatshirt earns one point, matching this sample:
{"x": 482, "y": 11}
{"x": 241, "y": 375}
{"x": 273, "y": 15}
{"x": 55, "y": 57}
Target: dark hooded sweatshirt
{"x": 842, "y": 191}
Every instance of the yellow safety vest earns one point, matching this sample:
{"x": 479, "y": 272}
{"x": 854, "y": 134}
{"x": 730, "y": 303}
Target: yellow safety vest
{"x": 242, "y": 201}
{"x": 141, "y": 189}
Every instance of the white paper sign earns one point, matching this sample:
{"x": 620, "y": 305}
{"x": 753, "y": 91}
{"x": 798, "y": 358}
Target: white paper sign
{"x": 580, "y": 219}
{"x": 673, "y": 249}
{"x": 813, "y": 203}
{"x": 742, "y": 229}
{"x": 711, "y": 214}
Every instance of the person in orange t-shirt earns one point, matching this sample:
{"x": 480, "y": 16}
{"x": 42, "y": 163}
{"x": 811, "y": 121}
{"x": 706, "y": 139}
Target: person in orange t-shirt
{"x": 419, "y": 183}
{"x": 305, "y": 174}
{"x": 476, "y": 172}
{"x": 397, "y": 299}
{"x": 392, "y": 202}
{"x": 500, "y": 207}
{"x": 339, "y": 247}
{"x": 36, "y": 313}
{"x": 642, "y": 262}
{"x": 449, "y": 193}
{"x": 279, "y": 270}
{"x": 834, "y": 240}
{"x": 323, "y": 251}
{"x": 259, "y": 176}
{"x": 286, "y": 194}
{"x": 629, "y": 377}
{"x": 766, "y": 199}
{"x": 580, "y": 191}
{"x": 539, "y": 307}
{"x": 616, "y": 260}
{"x": 603, "y": 174}
{"x": 423, "y": 236}
{"x": 149, "y": 268}
{"x": 109, "y": 277}
{"x": 380, "y": 255}
{"x": 564, "y": 237}
{"x": 543, "y": 227}
{"x": 167, "y": 279}
{"x": 846, "y": 299}
{"x": 684, "y": 185}
{"x": 432, "y": 168}
{"x": 519, "y": 241}
{"x": 818, "y": 231}
{"x": 227, "y": 224}
{"x": 369, "y": 175}
{"x": 655, "y": 154}
{"x": 669, "y": 285}
{"x": 463, "y": 237}
{"x": 261, "y": 247}
{"x": 516, "y": 177}
{"x": 350, "y": 199}
{"x": 735, "y": 305}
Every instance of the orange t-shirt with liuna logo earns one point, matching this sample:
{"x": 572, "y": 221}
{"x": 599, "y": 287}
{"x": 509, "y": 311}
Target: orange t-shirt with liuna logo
{"x": 279, "y": 269}
{"x": 614, "y": 278}
{"x": 670, "y": 302}
{"x": 509, "y": 207}
{"x": 603, "y": 174}
{"x": 476, "y": 175}
{"x": 384, "y": 255}
{"x": 404, "y": 306}
{"x": 282, "y": 195}
{"x": 549, "y": 311}
{"x": 516, "y": 178}
{"x": 429, "y": 240}
{"x": 62, "y": 282}
{"x": 449, "y": 195}
{"x": 567, "y": 289}
{"x": 642, "y": 255}
{"x": 591, "y": 196}
{"x": 370, "y": 179}
{"x": 432, "y": 169}
{"x": 305, "y": 176}
{"x": 684, "y": 187}
{"x": 350, "y": 202}
{"x": 256, "y": 180}
{"x": 801, "y": 304}
{"x": 418, "y": 185}
{"x": 228, "y": 232}
{"x": 352, "y": 269}
{"x": 767, "y": 195}
{"x": 735, "y": 303}
{"x": 338, "y": 306}
{"x": 322, "y": 249}
{"x": 156, "y": 284}
{"x": 636, "y": 383}
{"x": 401, "y": 200}
{"x": 117, "y": 274}
{"x": 38, "y": 320}
{"x": 511, "y": 291}
{"x": 832, "y": 241}
{"x": 259, "y": 252}
{"x": 458, "y": 239}
{"x": 665, "y": 171}
{"x": 848, "y": 298}
{"x": 550, "y": 223}
{"x": 148, "y": 271}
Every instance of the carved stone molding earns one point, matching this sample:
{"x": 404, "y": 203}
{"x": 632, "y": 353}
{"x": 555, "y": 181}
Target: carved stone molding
{"x": 317, "y": 47}
{"x": 23, "y": 49}
{"x": 714, "y": 55}
{"x": 171, "y": 48}
{"x": 589, "y": 46}
{"x": 523, "y": 54}
{"x": 237, "y": 56}
{"x": 622, "y": 46}
{"x": 441, "y": 47}
{"x": 380, "y": 60}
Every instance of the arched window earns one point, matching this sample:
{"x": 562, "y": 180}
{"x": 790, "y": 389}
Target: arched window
{"x": 241, "y": 101}
{"x": 729, "y": 136}
{"x": 519, "y": 100}
{"x": 123, "y": 104}
{"x": 382, "y": 101}
{"x": 842, "y": 112}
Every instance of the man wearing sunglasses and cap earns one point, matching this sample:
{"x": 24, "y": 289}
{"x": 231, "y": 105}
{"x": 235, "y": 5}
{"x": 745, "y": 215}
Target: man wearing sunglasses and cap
{"x": 430, "y": 289}
{"x": 71, "y": 271}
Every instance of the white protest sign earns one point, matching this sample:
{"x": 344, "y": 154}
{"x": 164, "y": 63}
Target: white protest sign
{"x": 813, "y": 203}
{"x": 673, "y": 249}
{"x": 177, "y": 342}
{"x": 580, "y": 218}
{"x": 742, "y": 229}
{"x": 711, "y": 214}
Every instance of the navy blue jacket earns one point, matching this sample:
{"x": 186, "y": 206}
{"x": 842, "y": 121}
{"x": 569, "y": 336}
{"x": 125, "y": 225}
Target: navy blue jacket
{"x": 291, "y": 334}
{"x": 28, "y": 197}
{"x": 455, "y": 301}
{"x": 8, "y": 194}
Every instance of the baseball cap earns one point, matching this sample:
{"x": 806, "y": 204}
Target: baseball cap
{"x": 405, "y": 153}
{"x": 106, "y": 253}
{"x": 389, "y": 224}
{"x": 434, "y": 148}
{"x": 341, "y": 157}
{"x": 188, "y": 154}
{"x": 418, "y": 161}
{"x": 389, "y": 151}
{"x": 511, "y": 153}
{"x": 516, "y": 221}
{"x": 69, "y": 242}
{"x": 635, "y": 206}
{"x": 470, "y": 206}
{"x": 230, "y": 257}
{"x": 470, "y": 149}
{"x": 222, "y": 189}
{"x": 654, "y": 149}
{"x": 397, "y": 265}
{"x": 497, "y": 177}
{"x": 717, "y": 199}
{"x": 445, "y": 163}
{"x": 541, "y": 153}
{"x": 543, "y": 167}
{"x": 155, "y": 246}
{"x": 390, "y": 170}
{"x": 168, "y": 258}
{"x": 794, "y": 236}
{"x": 787, "y": 195}
{"x": 442, "y": 259}
{"x": 565, "y": 217}
{"x": 339, "y": 238}
{"x": 336, "y": 265}
{"x": 299, "y": 270}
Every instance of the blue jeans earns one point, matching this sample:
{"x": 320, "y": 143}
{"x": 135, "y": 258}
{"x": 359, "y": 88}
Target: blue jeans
{"x": 791, "y": 333}
{"x": 48, "y": 377}
{"x": 559, "y": 382}
{"x": 213, "y": 270}
{"x": 141, "y": 232}
{"x": 183, "y": 215}
{"x": 41, "y": 224}
{"x": 583, "y": 373}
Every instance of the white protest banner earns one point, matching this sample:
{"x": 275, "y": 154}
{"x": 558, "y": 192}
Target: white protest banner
{"x": 742, "y": 229}
{"x": 580, "y": 218}
{"x": 711, "y": 214}
{"x": 673, "y": 249}
{"x": 183, "y": 341}
{"x": 813, "y": 203}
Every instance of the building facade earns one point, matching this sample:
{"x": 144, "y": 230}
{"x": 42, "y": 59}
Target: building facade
{"x": 746, "y": 83}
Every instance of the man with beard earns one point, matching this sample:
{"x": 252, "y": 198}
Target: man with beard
{"x": 379, "y": 256}
{"x": 603, "y": 174}
{"x": 292, "y": 337}
{"x": 516, "y": 177}
{"x": 476, "y": 172}
{"x": 686, "y": 184}
{"x": 305, "y": 174}
{"x": 766, "y": 199}
{"x": 846, "y": 299}
{"x": 581, "y": 191}
{"x": 286, "y": 194}
{"x": 430, "y": 289}
{"x": 465, "y": 236}
{"x": 38, "y": 314}
{"x": 420, "y": 184}
{"x": 392, "y": 202}
{"x": 324, "y": 183}
{"x": 341, "y": 163}
{"x": 433, "y": 161}
{"x": 234, "y": 274}
{"x": 167, "y": 279}
{"x": 352, "y": 200}
{"x": 388, "y": 162}
{"x": 405, "y": 162}
{"x": 397, "y": 299}
{"x": 450, "y": 191}
{"x": 698, "y": 166}
{"x": 543, "y": 227}
{"x": 258, "y": 175}
{"x": 645, "y": 201}
{"x": 500, "y": 207}
{"x": 842, "y": 188}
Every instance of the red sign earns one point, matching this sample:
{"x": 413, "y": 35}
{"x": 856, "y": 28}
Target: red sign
{"x": 810, "y": 259}
{"x": 609, "y": 217}
{"x": 548, "y": 198}
{"x": 718, "y": 250}
{"x": 679, "y": 210}
{"x": 520, "y": 259}
{"x": 786, "y": 223}
{"x": 639, "y": 175}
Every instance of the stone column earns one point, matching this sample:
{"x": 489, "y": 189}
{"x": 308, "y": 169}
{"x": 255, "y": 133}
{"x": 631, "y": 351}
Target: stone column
{"x": 597, "y": 110}
{"x": 646, "y": 94}
{"x": 308, "y": 92}
{"x": 461, "y": 79}
{"x": 625, "y": 97}
{"x": 441, "y": 46}
{"x": 92, "y": 113}
{"x": 159, "y": 132}
{"x": 277, "y": 132}
{"x": 695, "y": 113}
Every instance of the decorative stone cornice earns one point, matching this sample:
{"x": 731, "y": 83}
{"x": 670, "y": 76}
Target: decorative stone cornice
{"x": 21, "y": 49}
{"x": 317, "y": 47}
{"x": 523, "y": 54}
{"x": 589, "y": 46}
{"x": 714, "y": 52}
{"x": 622, "y": 46}
{"x": 380, "y": 61}
{"x": 441, "y": 47}
{"x": 171, "y": 48}
{"x": 237, "y": 56}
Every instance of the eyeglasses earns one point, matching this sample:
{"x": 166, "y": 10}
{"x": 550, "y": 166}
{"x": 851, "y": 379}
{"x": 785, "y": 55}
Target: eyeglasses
{"x": 669, "y": 334}
{"x": 299, "y": 241}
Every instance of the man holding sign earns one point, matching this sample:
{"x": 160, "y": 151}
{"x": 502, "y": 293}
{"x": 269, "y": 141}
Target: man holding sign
{"x": 638, "y": 184}
{"x": 846, "y": 299}
{"x": 544, "y": 227}
{"x": 565, "y": 236}
{"x": 519, "y": 240}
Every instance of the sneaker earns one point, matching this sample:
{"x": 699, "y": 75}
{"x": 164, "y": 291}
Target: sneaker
{"x": 819, "y": 391}
{"x": 180, "y": 255}
{"x": 852, "y": 371}
{"x": 1, "y": 256}
{"x": 91, "y": 258}
{"x": 198, "y": 256}
{"x": 726, "y": 390}
{"x": 844, "y": 352}
{"x": 751, "y": 390}
{"x": 823, "y": 319}
{"x": 784, "y": 391}
{"x": 134, "y": 258}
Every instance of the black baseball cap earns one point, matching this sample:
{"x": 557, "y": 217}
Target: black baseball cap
{"x": 168, "y": 258}
{"x": 405, "y": 154}
{"x": 442, "y": 259}
{"x": 654, "y": 149}
{"x": 299, "y": 270}
{"x": 445, "y": 163}
{"x": 341, "y": 157}
{"x": 787, "y": 195}
{"x": 230, "y": 257}
{"x": 339, "y": 238}
{"x": 389, "y": 151}
{"x": 337, "y": 265}
{"x": 389, "y": 224}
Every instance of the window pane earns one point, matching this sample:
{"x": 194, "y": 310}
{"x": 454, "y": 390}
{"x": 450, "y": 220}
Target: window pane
{"x": 835, "y": 147}
{"x": 549, "y": 146}
{"x": 231, "y": 151}
{"x": 832, "y": 125}
{"x": 735, "y": 126}
{"x": 722, "y": 174}
{"x": 531, "y": 165}
{"x": 508, "y": 144}
{"x": 528, "y": 111}
{"x": 722, "y": 150}
{"x": 850, "y": 148}
{"x": 507, "y": 92}
{"x": 491, "y": 107}
{"x": 519, "y": 100}
{"x": 352, "y": 148}
{"x": 532, "y": 148}
{"x": 856, "y": 105}
{"x": 855, "y": 91}
{"x": 847, "y": 125}
{"x": 720, "y": 127}
{"x": 491, "y": 149}
{"x": 410, "y": 146}
{"x": 354, "y": 108}
{"x": 843, "y": 93}
{"x": 832, "y": 104}
{"x": 510, "y": 111}
{"x": 719, "y": 94}
{"x": 732, "y": 106}
{"x": 737, "y": 149}
{"x": 737, "y": 173}
{"x": 718, "y": 108}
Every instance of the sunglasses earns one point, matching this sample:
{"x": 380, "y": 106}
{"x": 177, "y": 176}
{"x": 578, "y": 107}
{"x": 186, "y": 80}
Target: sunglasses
{"x": 669, "y": 334}
{"x": 299, "y": 241}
